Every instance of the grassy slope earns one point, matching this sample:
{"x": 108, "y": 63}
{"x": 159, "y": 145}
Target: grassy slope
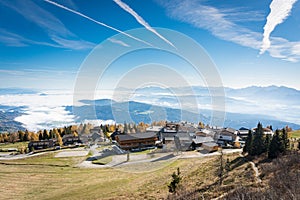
{"x": 295, "y": 134}
{"x": 13, "y": 145}
{"x": 46, "y": 177}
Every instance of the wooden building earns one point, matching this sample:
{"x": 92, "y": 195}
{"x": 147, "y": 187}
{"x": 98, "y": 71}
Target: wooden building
{"x": 42, "y": 144}
{"x": 136, "y": 141}
{"x": 70, "y": 139}
{"x": 210, "y": 146}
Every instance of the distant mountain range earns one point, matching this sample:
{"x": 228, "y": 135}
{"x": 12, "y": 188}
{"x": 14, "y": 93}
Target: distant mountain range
{"x": 276, "y": 106}
{"x": 107, "y": 109}
{"x": 6, "y": 91}
{"x": 7, "y": 119}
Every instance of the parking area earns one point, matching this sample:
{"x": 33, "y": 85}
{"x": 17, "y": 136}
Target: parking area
{"x": 72, "y": 154}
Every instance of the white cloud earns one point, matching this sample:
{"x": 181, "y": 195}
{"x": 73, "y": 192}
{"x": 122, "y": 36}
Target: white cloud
{"x": 118, "y": 42}
{"x": 215, "y": 20}
{"x": 13, "y": 39}
{"x": 72, "y": 44}
{"x": 221, "y": 23}
{"x": 42, "y": 111}
{"x": 280, "y": 10}
{"x": 52, "y": 26}
{"x": 140, "y": 20}
{"x": 37, "y": 118}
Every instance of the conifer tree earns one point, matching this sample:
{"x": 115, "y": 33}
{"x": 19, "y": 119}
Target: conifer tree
{"x": 267, "y": 143}
{"x": 258, "y": 146}
{"x": 26, "y": 136}
{"x": 285, "y": 143}
{"x": 45, "y": 134}
{"x": 248, "y": 143}
{"x": 21, "y": 135}
{"x": 176, "y": 178}
{"x": 40, "y": 136}
{"x": 274, "y": 148}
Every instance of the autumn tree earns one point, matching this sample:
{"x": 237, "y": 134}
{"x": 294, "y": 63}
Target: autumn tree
{"x": 1, "y": 138}
{"x": 13, "y": 137}
{"x": 201, "y": 125}
{"x": 59, "y": 140}
{"x": 58, "y": 137}
{"x": 5, "y": 137}
{"x": 112, "y": 128}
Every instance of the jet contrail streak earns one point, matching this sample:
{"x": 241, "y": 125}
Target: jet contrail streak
{"x": 95, "y": 21}
{"x": 280, "y": 10}
{"x": 140, "y": 20}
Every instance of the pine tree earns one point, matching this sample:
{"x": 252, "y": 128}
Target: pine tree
{"x": 248, "y": 144}
{"x": 176, "y": 178}
{"x": 21, "y": 135}
{"x": 267, "y": 143}
{"x": 285, "y": 143}
{"x": 125, "y": 128}
{"x": 45, "y": 134}
{"x": 274, "y": 148}
{"x": 40, "y": 136}
{"x": 26, "y": 136}
{"x": 51, "y": 136}
{"x": 258, "y": 146}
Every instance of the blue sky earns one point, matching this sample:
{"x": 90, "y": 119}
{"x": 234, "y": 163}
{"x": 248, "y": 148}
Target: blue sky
{"x": 43, "y": 46}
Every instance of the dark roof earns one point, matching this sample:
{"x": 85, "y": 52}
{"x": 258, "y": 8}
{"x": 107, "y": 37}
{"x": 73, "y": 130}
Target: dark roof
{"x": 264, "y": 129}
{"x": 244, "y": 129}
{"x": 68, "y": 136}
{"x": 137, "y": 136}
{"x": 95, "y": 136}
{"x": 180, "y": 135}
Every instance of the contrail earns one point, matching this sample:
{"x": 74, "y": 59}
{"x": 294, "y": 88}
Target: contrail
{"x": 97, "y": 22}
{"x": 280, "y": 10}
{"x": 140, "y": 20}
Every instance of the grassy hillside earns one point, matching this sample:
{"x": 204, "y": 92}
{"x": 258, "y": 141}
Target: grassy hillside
{"x": 295, "y": 134}
{"x": 47, "y": 177}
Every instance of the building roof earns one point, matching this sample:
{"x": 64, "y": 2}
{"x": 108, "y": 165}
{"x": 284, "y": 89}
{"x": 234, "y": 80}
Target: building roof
{"x": 243, "y": 129}
{"x": 264, "y": 129}
{"x": 136, "y": 136}
{"x": 199, "y": 140}
{"x": 95, "y": 136}
{"x": 231, "y": 130}
{"x": 210, "y": 144}
{"x": 154, "y": 128}
{"x": 226, "y": 132}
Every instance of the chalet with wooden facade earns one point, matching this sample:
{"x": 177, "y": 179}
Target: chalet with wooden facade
{"x": 70, "y": 139}
{"x": 42, "y": 144}
{"x": 136, "y": 141}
